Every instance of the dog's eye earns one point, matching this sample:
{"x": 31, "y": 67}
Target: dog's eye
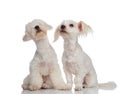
{"x": 71, "y": 25}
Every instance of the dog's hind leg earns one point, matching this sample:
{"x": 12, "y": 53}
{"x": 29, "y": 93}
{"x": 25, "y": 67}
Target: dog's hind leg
{"x": 90, "y": 79}
{"x": 25, "y": 84}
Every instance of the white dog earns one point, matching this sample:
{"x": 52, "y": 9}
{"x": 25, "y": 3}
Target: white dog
{"x": 44, "y": 69}
{"x": 75, "y": 60}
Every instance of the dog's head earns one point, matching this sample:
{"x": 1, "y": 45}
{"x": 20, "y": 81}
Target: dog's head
{"x": 36, "y": 30}
{"x": 71, "y": 29}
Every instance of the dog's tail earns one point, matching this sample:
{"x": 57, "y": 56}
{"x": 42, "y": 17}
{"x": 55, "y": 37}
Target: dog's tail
{"x": 107, "y": 86}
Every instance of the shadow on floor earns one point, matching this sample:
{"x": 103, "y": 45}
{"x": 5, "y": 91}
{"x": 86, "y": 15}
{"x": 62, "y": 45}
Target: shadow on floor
{"x": 52, "y": 91}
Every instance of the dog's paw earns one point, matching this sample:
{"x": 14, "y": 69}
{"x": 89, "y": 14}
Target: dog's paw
{"x": 78, "y": 87}
{"x": 45, "y": 86}
{"x": 25, "y": 86}
{"x": 34, "y": 87}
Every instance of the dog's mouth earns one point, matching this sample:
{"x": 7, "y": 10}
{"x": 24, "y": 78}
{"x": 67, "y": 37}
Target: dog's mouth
{"x": 38, "y": 31}
{"x": 63, "y": 31}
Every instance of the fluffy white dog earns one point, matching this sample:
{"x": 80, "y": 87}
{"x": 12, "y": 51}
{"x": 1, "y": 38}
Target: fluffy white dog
{"x": 75, "y": 60}
{"x": 44, "y": 69}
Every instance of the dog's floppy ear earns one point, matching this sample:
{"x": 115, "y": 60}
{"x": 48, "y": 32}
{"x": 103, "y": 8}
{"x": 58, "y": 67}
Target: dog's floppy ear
{"x": 47, "y": 27}
{"x": 56, "y": 34}
{"x": 26, "y": 37}
{"x": 84, "y": 29}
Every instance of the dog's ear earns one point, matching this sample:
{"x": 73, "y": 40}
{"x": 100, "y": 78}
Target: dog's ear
{"x": 84, "y": 29}
{"x": 56, "y": 34}
{"x": 47, "y": 27}
{"x": 26, "y": 37}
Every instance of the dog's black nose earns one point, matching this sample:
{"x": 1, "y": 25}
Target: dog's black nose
{"x": 62, "y": 26}
{"x": 37, "y": 27}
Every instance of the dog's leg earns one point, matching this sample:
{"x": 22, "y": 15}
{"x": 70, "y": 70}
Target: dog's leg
{"x": 26, "y": 83}
{"x": 35, "y": 76}
{"x": 68, "y": 78}
{"x": 35, "y": 81}
{"x": 47, "y": 83}
{"x": 57, "y": 80}
{"x": 91, "y": 79}
{"x": 78, "y": 80}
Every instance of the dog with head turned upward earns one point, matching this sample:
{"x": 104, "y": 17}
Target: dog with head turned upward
{"x": 44, "y": 69}
{"x": 75, "y": 60}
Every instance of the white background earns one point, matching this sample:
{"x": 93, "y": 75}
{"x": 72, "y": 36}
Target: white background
{"x": 102, "y": 46}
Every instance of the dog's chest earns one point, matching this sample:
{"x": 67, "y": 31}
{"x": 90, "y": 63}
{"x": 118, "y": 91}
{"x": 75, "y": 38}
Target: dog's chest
{"x": 72, "y": 67}
{"x": 72, "y": 57}
{"x": 45, "y": 68}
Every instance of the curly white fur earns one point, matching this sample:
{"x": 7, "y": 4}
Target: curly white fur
{"x": 44, "y": 69}
{"x": 75, "y": 60}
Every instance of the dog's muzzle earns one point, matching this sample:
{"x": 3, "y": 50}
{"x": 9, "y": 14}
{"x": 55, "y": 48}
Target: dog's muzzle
{"x": 37, "y": 28}
{"x": 63, "y": 27}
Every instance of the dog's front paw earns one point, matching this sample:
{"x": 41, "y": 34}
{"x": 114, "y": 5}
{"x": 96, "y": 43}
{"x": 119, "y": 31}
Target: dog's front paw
{"x": 34, "y": 87}
{"x": 45, "y": 86}
{"x": 78, "y": 87}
